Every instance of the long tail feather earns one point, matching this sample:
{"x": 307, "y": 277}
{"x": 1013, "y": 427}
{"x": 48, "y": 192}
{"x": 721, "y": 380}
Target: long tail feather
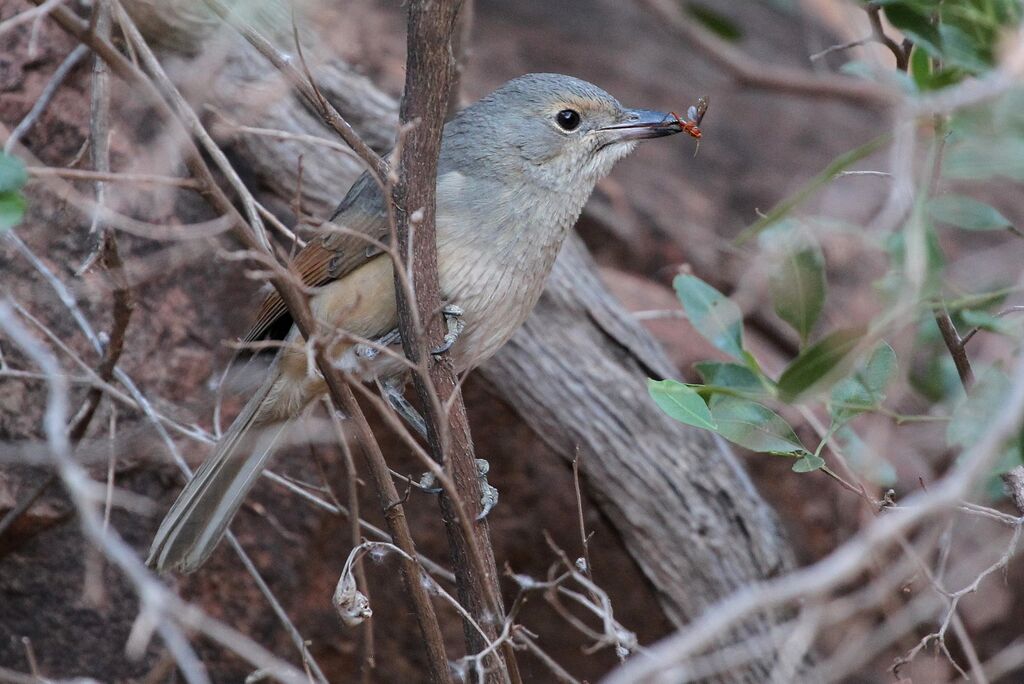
{"x": 202, "y": 512}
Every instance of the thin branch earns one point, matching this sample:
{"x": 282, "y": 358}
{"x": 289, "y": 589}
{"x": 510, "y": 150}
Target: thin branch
{"x": 34, "y": 14}
{"x": 110, "y": 176}
{"x": 755, "y": 73}
{"x": 955, "y": 345}
{"x": 900, "y": 52}
{"x": 41, "y": 103}
{"x": 429, "y": 75}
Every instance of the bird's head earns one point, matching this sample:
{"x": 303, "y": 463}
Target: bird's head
{"x": 556, "y": 131}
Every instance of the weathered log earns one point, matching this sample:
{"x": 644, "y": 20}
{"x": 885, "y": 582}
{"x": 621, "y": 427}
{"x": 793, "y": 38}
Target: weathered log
{"x": 575, "y": 373}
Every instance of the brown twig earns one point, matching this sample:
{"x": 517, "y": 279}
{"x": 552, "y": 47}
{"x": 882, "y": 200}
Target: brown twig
{"x": 111, "y": 176}
{"x": 757, "y": 74}
{"x": 460, "y": 50}
{"x": 900, "y": 52}
{"x": 955, "y": 345}
{"x": 51, "y": 88}
{"x": 429, "y": 74}
{"x": 352, "y": 482}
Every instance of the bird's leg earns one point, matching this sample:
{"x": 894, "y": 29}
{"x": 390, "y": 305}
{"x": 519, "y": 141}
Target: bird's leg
{"x": 391, "y": 390}
{"x": 488, "y": 493}
{"x": 454, "y": 324}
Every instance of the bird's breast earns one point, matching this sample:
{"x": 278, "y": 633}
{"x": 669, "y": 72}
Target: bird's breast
{"x": 496, "y": 245}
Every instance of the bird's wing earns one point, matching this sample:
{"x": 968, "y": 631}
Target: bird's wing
{"x": 336, "y": 253}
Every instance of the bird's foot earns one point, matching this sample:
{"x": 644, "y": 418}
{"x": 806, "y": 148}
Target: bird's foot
{"x": 488, "y": 494}
{"x": 454, "y": 324}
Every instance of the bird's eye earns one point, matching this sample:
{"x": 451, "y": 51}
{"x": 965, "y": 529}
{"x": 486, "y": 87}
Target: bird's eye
{"x": 568, "y": 119}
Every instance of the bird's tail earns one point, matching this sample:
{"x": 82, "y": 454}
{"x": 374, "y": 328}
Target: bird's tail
{"x": 200, "y": 516}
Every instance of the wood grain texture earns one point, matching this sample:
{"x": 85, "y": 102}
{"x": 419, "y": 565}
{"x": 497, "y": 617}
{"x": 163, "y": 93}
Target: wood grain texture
{"x": 575, "y": 373}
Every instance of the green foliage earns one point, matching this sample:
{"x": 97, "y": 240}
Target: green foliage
{"x": 821, "y": 363}
{"x": 960, "y": 36}
{"x": 681, "y": 402}
{"x": 732, "y": 378}
{"x": 973, "y": 415}
{"x": 754, "y": 426}
{"x": 808, "y": 463}
{"x": 12, "y": 203}
{"x": 798, "y": 287}
{"x": 849, "y": 370}
{"x": 713, "y": 315}
{"x": 964, "y": 212}
{"x": 864, "y": 389}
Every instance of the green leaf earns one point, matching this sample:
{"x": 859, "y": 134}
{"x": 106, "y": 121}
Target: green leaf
{"x": 808, "y": 463}
{"x": 732, "y": 376}
{"x": 915, "y": 24}
{"x": 816, "y": 365}
{"x": 966, "y": 213}
{"x": 12, "y": 173}
{"x": 753, "y": 426}
{"x": 983, "y": 320}
{"x": 971, "y": 418}
{"x": 681, "y": 403}
{"x": 714, "y": 21}
{"x": 920, "y": 68}
{"x": 982, "y": 158}
{"x": 713, "y": 315}
{"x": 865, "y": 389}
{"x": 12, "y": 209}
{"x": 798, "y": 288}
{"x": 960, "y": 49}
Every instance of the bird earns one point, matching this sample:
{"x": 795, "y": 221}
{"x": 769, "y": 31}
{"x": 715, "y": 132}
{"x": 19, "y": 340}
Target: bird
{"x": 514, "y": 171}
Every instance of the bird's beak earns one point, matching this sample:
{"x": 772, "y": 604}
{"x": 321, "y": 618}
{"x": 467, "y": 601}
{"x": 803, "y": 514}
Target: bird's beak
{"x": 641, "y": 124}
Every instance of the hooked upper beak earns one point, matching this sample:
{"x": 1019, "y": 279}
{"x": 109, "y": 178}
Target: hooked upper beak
{"x": 641, "y": 124}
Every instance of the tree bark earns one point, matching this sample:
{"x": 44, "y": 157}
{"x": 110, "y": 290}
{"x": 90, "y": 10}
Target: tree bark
{"x": 575, "y": 373}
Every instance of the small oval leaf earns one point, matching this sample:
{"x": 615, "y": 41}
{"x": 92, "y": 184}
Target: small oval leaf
{"x": 681, "y": 403}
{"x": 798, "y": 288}
{"x": 712, "y": 314}
{"x": 964, "y": 212}
{"x": 12, "y": 173}
{"x": 12, "y": 209}
{"x": 972, "y": 416}
{"x": 864, "y": 390}
{"x": 808, "y": 463}
{"x": 732, "y": 376}
{"x": 820, "y": 363}
{"x": 753, "y": 426}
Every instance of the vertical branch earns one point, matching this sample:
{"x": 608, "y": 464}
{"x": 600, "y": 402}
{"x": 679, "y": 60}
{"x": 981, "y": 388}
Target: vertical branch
{"x": 429, "y": 76}
{"x": 460, "y": 49}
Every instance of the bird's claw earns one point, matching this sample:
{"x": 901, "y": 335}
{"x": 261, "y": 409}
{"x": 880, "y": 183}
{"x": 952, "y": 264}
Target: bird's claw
{"x": 454, "y": 324}
{"x": 488, "y": 494}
